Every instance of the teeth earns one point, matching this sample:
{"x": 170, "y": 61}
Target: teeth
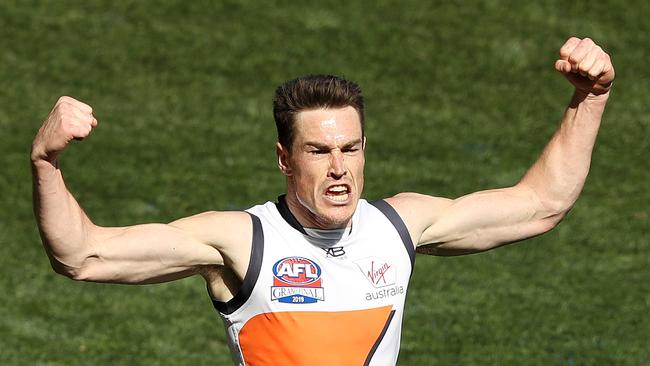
{"x": 338, "y": 189}
{"x": 339, "y": 197}
{"x": 339, "y": 193}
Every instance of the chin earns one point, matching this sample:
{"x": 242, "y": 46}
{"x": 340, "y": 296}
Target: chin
{"x": 326, "y": 215}
{"x": 337, "y": 216}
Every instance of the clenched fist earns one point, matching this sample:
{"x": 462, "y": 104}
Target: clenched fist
{"x": 586, "y": 66}
{"x": 69, "y": 119}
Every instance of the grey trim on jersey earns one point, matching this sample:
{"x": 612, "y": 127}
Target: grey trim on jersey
{"x": 253, "y": 271}
{"x": 322, "y": 238}
{"x": 381, "y": 205}
{"x": 286, "y": 214}
{"x": 394, "y": 218}
{"x": 379, "y": 339}
{"x": 328, "y": 235}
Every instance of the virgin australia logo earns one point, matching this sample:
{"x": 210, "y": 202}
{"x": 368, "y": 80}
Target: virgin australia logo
{"x": 379, "y": 272}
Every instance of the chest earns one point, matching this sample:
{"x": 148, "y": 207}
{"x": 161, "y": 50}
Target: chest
{"x": 367, "y": 270}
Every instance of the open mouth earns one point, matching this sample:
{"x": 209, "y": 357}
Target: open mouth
{"x": 338, "y": 193}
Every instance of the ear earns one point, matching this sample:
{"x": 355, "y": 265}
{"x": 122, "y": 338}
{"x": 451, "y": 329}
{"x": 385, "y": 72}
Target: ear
{"x": 364, "y": 143}
{"x": 283, "y": 159}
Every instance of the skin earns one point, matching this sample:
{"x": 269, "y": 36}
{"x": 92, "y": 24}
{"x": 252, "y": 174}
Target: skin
{"x": 328, "y": 151}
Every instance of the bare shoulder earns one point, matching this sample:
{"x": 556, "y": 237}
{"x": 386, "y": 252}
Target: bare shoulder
{"x": 418, "y": 211}
{"x": 220, "y": 229}
{"x": 230, "y": 232}
{"x": 411, "y": 201}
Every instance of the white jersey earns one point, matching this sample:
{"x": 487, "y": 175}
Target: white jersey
{"x": 313, "y": 301}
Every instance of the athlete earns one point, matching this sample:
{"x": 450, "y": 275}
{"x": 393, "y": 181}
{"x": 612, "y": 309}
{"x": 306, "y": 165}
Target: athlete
{"x": 321, "y": 260}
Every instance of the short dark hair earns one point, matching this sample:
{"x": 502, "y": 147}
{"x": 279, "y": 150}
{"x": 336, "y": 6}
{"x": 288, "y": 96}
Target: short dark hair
{"x": 312, "y": 92}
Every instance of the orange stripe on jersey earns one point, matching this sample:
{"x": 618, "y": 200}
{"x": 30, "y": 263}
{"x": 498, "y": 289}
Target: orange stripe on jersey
{"x": 313, "y": 338}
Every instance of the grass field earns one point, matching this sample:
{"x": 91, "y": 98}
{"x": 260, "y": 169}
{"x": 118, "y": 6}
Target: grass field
{"x": 461, "y": 96}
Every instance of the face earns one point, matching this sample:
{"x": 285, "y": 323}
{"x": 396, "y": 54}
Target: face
{"x": 324, "y": 168}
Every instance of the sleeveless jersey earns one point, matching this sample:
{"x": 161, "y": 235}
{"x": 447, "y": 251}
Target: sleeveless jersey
{"x": 304, "y": 301}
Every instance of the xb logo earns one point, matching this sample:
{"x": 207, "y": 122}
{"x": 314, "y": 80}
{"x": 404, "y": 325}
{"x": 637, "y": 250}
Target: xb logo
{"x": 334, "y": 251}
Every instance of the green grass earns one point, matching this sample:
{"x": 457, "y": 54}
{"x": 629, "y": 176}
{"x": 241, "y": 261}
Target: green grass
{"x": 461, "y": 96}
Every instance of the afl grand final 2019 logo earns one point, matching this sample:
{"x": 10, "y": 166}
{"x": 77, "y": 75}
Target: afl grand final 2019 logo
{"x": 297, "y": 280}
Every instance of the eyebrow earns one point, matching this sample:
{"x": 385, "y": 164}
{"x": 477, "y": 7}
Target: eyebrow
{"x": 321, "y": 146}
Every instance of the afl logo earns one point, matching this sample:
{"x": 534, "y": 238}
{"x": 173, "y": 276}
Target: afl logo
{"x": 297, "y": 280}
{"x": 296, "y": 270}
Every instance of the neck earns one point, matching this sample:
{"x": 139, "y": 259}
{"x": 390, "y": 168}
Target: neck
{"x": 308, "y": 219}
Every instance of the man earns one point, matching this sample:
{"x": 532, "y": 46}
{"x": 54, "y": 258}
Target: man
{"x": 321, "y": 261}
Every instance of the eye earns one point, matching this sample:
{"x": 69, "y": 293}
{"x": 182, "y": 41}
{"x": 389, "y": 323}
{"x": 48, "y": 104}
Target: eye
{"x": 351, "y": 150}
{"x": 318, "y": 152}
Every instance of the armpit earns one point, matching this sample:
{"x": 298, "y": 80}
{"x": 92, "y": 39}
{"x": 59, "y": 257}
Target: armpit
{"x": 221, "y": 281}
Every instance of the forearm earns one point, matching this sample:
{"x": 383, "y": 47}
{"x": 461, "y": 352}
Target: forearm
{"x": 81, "y": 250}
{"x": 487, "y": 219}
{"x": 559, "y": 174}
{"x": 62, "y": 223}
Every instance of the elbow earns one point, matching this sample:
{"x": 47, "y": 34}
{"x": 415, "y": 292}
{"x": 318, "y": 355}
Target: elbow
{"x": 74, "y": 263}
{"x": 75, "y": 273}
{"x": 548, "y": 209}
{"x": 556, "y": 210}
{"x": 553, "y": 214}
{"x": 66, "y": 271}
{"x": 549, "y": 222}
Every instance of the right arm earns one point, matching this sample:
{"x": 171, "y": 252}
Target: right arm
{"x": 147, "y": 253}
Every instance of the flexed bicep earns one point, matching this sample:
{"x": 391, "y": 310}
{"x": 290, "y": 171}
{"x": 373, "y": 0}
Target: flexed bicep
{"x": 152, "y": 253}
{"x": 487, "y": 219}
{"x": 144, "y": 254}
{"x": 476, "y": 222}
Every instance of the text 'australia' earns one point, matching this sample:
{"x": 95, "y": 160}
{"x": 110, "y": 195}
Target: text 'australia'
{"x": 384, "y": 293}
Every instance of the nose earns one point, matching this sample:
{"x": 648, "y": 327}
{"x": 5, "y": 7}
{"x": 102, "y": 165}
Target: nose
{"x": 337, "y": 165}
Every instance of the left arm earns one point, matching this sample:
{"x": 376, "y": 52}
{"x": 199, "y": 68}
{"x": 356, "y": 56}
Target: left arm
{"x": 484, "y": 220}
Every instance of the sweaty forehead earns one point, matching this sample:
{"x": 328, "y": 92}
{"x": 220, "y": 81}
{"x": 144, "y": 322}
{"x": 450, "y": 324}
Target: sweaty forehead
{"x": 328, "y": 125}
